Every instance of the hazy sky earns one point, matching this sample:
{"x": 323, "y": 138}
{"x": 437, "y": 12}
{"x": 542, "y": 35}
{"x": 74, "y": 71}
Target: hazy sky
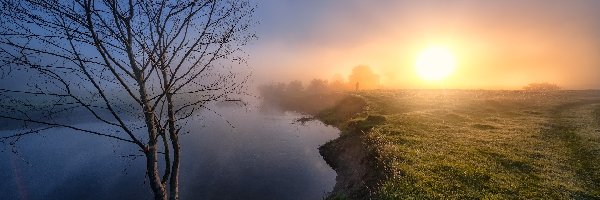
{"x": 497, "y": 44}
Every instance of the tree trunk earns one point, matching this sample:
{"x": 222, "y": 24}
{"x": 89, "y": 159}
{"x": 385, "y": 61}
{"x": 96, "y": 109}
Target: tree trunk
{"x": 153, "y": 176}
{"x": 174, "y": 180}
{"x": 151, "y": 151}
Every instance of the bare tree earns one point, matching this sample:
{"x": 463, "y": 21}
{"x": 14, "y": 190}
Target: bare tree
{"x": 143, "y": 68}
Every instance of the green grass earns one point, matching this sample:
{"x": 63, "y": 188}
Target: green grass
{"x": 484, "y": 144}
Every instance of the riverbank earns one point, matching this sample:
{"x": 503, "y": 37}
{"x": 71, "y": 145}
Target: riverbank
{"x": 465, "y": 144}
{"x": 350, "y": 154}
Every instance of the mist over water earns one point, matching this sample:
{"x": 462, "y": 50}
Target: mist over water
{"x": 265, "y": 155}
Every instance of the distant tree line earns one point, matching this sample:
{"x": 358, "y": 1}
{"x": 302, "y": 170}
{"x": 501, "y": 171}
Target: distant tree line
{"x": 318, "y": 93}
{"x": 541, "y": 87}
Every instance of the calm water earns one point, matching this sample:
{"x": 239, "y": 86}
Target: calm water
{"x": 266, "y": 156}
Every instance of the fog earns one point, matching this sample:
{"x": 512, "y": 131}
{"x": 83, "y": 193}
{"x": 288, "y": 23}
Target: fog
{"x": 498, "y": 44}
{"x": 241, "y": 153}
{"x": 305, "y": 50}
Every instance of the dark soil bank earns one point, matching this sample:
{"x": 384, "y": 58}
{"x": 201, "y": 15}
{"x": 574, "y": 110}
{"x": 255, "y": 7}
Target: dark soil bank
{"x": 350, "y": 158}
{"x": 350, "y": 155}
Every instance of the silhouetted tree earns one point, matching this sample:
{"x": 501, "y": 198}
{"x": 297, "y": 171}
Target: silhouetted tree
{"x": 294, "y": 88}
{"x": 157, "y": 61}
{"x": 313, "y": 99}
{"x": 364, "y": 76}
{"x": 317, "y": 86}
{"x": 273, "y": 92}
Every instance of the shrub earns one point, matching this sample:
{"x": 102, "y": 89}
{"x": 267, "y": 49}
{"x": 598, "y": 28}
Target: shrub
{"x": 541, "y": 87}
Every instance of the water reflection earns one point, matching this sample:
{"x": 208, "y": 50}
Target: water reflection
{"x": 266, "y": 156}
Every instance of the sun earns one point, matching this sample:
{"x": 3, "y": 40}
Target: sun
{"x": 435, "y": 63}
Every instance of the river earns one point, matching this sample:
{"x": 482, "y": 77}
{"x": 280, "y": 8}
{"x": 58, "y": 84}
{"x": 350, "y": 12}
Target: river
{"x": 242, "y": 154}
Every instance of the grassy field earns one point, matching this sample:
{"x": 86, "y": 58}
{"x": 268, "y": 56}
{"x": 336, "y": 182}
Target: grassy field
{"x": 473, "y": 144}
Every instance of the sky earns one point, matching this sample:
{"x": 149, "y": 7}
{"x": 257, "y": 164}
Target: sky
{"x": 496, "y": 44}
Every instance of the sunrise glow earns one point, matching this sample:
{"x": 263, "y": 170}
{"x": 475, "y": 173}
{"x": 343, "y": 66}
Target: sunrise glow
{"x": 435, "y": 63}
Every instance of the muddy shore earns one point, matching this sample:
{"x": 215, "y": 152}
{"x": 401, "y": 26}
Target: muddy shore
{"x": 349, "y": 155}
